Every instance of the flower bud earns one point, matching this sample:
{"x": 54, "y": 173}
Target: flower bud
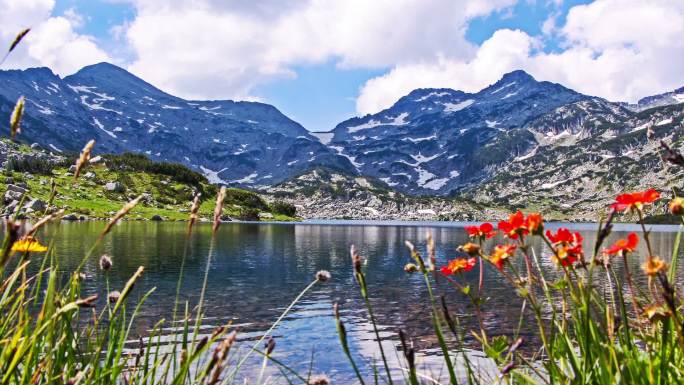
{"x": 105, "y": 262}
{"x": 470, "y": 249}
{"x": 323, "y": 275}
{"x": 410, "y": 268}
{"x": 677, "y": 206}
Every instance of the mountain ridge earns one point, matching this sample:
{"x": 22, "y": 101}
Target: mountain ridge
{"x": 430, "y": 142}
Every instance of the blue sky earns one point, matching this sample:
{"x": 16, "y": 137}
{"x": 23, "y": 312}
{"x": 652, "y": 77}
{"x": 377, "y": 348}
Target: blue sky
{"x": 321, "y": 62}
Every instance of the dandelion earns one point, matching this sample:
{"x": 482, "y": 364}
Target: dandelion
{"x": 622, "y": 246}
{"x": 515, "y": 227}
{"x": 323, "y": 275}
{"x": 84, "y": 157}
{"x": 28, "y": 244}
{"x": 458, "y": 266}
{"x": 484, "y": 231}
{"x": 105, "y": 262}
{"x": 502, "y": 253}
{"x": 635, "y": 200}
{"x": 567, "y": 246}
{"x": 470, "y": 249}
{"x": 653, "y": 266}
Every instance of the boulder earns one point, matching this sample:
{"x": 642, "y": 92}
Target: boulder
{"x": 35, "y": 146}
{"x": 17, "y": 188}
{"x": 72, "y": 169}
{"x": 89, "y": 175}
{"x": 156, "y": 218}
{"x": 35, "y": 205}
{"x": 9, "y": 180}
{"x": 12, "y": 196}
{"x": 11, "y": 207}
{"x": 266, "y": 216}
{"x": 114, "y": 187}
{"x": 95, "y": 159}
{"x": 70, "y": 217}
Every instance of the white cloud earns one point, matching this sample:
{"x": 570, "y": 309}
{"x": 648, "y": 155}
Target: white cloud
{"x": 616, "y": 49}
{"x": 52, "y": 42}
{"x": 211, "y": 48}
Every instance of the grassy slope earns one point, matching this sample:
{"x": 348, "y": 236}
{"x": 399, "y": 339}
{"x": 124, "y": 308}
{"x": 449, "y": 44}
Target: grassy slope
{"x": 171, "y": 199}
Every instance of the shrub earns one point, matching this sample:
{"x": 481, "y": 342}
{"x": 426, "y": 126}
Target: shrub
{"x": 284, "y": 208}
{"x": 137, "y": 162}
{"x": 248, "y": 214}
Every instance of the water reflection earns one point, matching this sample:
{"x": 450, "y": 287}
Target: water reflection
{"x": 257, "y": 269}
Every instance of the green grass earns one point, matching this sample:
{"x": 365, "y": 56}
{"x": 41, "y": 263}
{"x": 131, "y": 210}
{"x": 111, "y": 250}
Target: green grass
{"x": 169, "y": 199}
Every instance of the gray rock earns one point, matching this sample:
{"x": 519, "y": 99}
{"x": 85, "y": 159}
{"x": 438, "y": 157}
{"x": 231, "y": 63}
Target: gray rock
{"x": 89, "y": 175}
{"x": 35, "y": 205}
{"x": 72, "y": 169}
{"x": 11, "y": 207}
{"x": 35, "y": 146}
{"x": 114, "y": 187}
{"x": 96, "y": 159}
{"x": 157, "y": 218}
{"x": 17, "y": 188}
{"x": 9, "y": 180}
{"x": 70, "y": 217}
{"x": 266, "y": 216}
{"x": 12, "y": 196}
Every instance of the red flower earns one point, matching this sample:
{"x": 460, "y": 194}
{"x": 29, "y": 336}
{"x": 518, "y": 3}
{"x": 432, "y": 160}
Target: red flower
{"x": 635, "y": 200}
{"x": 459, "y": 265}
{"x": 515, "y": 226}
{"x": 501, "y": 254}
{"x": 623, "y": 245}
{"x": 534, "y": 223}
{"x": 567, "y": 246}
{"x": 484, "y": 231}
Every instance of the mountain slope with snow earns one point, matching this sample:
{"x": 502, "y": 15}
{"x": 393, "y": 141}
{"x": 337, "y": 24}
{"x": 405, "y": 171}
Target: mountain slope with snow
{"x": 246, "y": 143}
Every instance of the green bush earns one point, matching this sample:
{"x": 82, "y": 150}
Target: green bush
{"x": 248, "y": 214}
{"x": 137, "y": 162}
{"x": 284, "y": 208}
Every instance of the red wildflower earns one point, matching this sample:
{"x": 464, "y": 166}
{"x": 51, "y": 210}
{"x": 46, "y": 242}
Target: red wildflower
{"x": 459, "y": 265}
{"x": 623, "y": 245}
{"x": 515, "y": 226}
{"x": 567, "y": 246}
{"x": 501, "y": 254}
{"x": 484, "y": 231}
{"x": 635, "y": 200}
{"x": 534, "y": 223}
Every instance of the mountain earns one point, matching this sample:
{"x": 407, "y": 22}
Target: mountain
{"x": 665, "y": 99}
{"x": 246, "y": 143}
{"x": 518, "y": 143}
{"x": 331, "y": 194}
{"x": 435, "y": 141}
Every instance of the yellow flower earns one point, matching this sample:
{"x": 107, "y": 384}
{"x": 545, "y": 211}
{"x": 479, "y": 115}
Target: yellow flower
{"x": 653, "y": 266}
{"x": 28, "y": 244}
{"x": 656, "y": 312}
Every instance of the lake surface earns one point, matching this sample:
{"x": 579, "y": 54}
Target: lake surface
{"x": 258, "y": 268}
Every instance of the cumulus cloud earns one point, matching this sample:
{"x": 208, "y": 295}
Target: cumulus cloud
{"x": 211, "y": 48}
{"x": 53, "y": 41}
{"x": 617, "y": 49}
